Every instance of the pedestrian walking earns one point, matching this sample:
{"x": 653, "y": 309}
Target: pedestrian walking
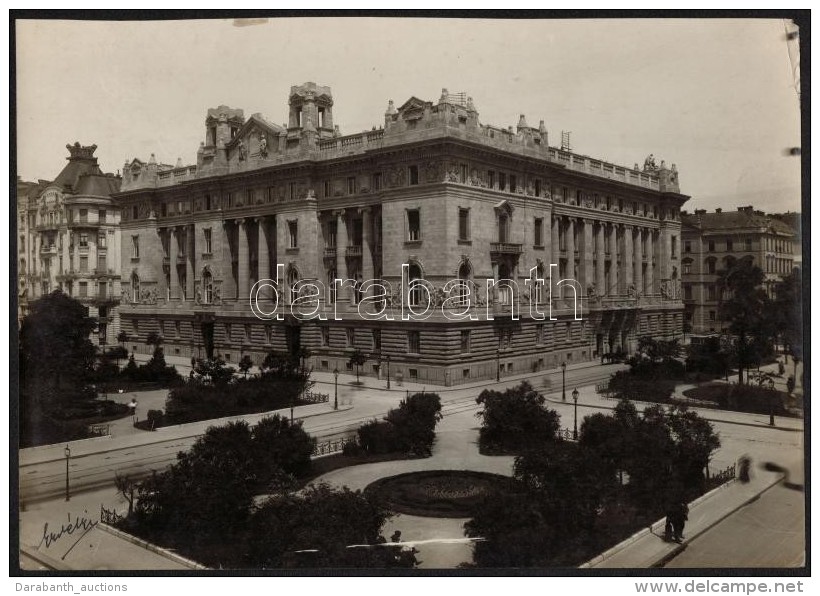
{"x": 668, "y": 531}
{"x": 743, "y": 467}
{"x": 679, "y": 518}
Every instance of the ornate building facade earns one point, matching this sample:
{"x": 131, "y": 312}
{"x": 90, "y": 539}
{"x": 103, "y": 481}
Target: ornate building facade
{"x": 70, "y": 240}
{"x": 714, "y": 242}
{"x": 432, "y": 195}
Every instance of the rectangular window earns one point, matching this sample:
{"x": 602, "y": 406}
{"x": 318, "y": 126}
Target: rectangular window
{"x": 537, "y": 187}
{"x": 729, "y": 245}
{"x": 293, "y": 230}
{"x": 539, "y": 334}
{"x": 101, "y": 264}
{"x": 413, "y": 342}
{"x": 491, "y": 179}
{"x": 163, "y": 209}
{"x": 83, "y": 240}
{"x": 513, "y": 184}
{"x": 135, "y": 247}
{"x": 711, "y": 293}
{"x": 292, "y": 190}
{"x": 377, "y": 181}
{"x": 327, "y": 189}
{"x": 687, "y": 246}
{"x": 687, "y": 267}
{"x": 539, "y": 232}
{"x": 208, "y": 245}
{"x": 712, "y": 315}
{"x": 83, "y": 289}
{"x": 674, "y": 246}
{"x": 101, "y": 240}
{"x": 83, "y": 215}
{"x": 102, "y": 215}
{"x": 207, "y": 202}
{"x": 711, "y": 247}
{"x": 748, "y": 244}
{"x": 463, "y": 224}
{"x": 377, "y": 340}
{"x": 465, "y": 341}
{"x": 351, "y": 185}
{"x": 502, "y": 181}
{"x": 687, "y": 292}
{"x": 351, "y": 337}
{"x": 413, "y": 174}
{"x": 413, "y": 225}
{"x": 463, "y": 173}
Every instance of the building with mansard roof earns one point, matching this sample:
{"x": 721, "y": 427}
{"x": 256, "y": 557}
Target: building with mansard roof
{"x": 432, "y": 203}
{"x": 70, "y": 240}
{"x": 714, "y": 241}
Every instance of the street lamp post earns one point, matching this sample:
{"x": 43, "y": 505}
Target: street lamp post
{"x": 575, "y": 426}
{"x": 563, "y": 381}
{"x": 498, "y": 365}
{"x": 335, "y": 388}
{"x": 67, "y": 459}
{"x": 388, "y": 370}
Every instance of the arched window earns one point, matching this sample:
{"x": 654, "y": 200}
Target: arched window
{"x": 135, "y": 288}
{"x": 207, "y": 287}
{"x": 292, "y": 279}
{"x": 465, "y": 273}
{"x": 417, "y": 293}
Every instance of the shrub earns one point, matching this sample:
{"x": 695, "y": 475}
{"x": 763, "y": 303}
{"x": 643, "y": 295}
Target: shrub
{"x": 155, "y": 418}
{"x": 627, "y": 385}
{"x": 415, "y": 421}
{"x": 515, "y": 420}
{"x": 377, "y": 437}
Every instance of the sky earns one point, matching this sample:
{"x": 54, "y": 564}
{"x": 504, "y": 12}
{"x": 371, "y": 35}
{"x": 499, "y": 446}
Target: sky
{"x": 716, "y": 97}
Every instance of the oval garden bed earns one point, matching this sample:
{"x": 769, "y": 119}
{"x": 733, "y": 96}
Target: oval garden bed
{"x": 437, "y": 493}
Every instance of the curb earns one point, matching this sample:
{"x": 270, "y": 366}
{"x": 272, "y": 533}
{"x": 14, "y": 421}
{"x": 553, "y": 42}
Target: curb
{"x": 151, "y": 547}
{"x": 666, "y": 557}
{"x": 43, "y": 559}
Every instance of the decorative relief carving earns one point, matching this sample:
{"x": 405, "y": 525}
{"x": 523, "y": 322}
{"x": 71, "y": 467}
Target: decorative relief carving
{"x": 432, "y": 171}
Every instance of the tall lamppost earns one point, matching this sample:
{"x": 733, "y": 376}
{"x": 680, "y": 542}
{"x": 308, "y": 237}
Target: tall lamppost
{"x": 387, "y": 358}
{"x": 335, "y": 388}
{"x": 575, "y": 426}
{"x": 498, "y": 365}
{"x": 67, "y": 459}
{"x": 563, "y": 381}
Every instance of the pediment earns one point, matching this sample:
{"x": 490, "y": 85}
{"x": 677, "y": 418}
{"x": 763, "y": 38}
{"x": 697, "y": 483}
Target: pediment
{"x": 252, "y": 130}
{"x": 412, "y": 106}
{"x": 504, "y": 206}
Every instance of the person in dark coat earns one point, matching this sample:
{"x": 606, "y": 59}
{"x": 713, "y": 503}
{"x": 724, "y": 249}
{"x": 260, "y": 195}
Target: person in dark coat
{"x": 679, "y": 517}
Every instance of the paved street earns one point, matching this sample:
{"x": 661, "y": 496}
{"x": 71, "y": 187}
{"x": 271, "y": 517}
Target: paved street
{"x": 95, "y": 461}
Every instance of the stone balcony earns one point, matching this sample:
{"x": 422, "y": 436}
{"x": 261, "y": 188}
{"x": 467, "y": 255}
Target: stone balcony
{"x": 353, "y": 251}
{"x": 506, "y": 248}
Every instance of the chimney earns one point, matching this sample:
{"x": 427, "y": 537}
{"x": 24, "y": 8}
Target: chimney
{"x": 718, "y": 210}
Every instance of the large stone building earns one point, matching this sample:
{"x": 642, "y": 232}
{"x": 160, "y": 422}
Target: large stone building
{"x": 432, "y": 194}
{"x": 713, "y": 242}
{"x": 70, "y": 240}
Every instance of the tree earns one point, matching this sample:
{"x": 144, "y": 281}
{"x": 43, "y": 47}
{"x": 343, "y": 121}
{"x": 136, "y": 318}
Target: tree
{"x": 745, "y": 305}
{"x": 322, "y": 527}
{"x": 245, "y": 364}
{"x": 414, "y": 422}
{"x": 515, "y": 419}
{"x": 788, "y": 310}
{"x": 154, "y": 339}
{"x": 357, "y": 359}
{"x": 128, "y": 488}
{"x": 280, "y": 445}
{"x": 122, "y": 337}
{"x": 55, "y": 352}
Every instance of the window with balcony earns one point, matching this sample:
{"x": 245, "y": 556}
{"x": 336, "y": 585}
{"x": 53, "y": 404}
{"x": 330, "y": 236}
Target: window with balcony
{"x": 463, "y": 224}
{"x": 503, "y": 228}
{"x": 413, "y": 342}
{"x": 413, "y": 225}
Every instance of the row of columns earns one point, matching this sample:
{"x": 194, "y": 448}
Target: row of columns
{"x": 174, "y": 238}
{"x": 599, "y": 243}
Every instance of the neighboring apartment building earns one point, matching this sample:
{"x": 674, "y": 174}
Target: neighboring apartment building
{"x": 27, "y": 193}
{"x": 713, "y": 242}
{"x": 432, "y": 189}
{"x": 72, "y": 240}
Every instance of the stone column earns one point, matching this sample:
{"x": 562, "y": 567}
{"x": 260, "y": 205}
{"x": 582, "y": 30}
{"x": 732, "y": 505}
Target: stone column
{"x": 172, "y": 260}
{"x": 638, "y": 261}
{"x": 570, "y": 248}
{"x": 587, "y": 275}
{"x": 650, "y": 257}
{"x": 341, "y": 247}
{"x": 189, "y": 262}
{"x": 600, "y": 272}
{"x": 614, "y": 278}
{"x": 243, "y": 288}
{"x": 367, "y": 244}
{"x": 263, "y": 258}
{"x": 627, "y": 262}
